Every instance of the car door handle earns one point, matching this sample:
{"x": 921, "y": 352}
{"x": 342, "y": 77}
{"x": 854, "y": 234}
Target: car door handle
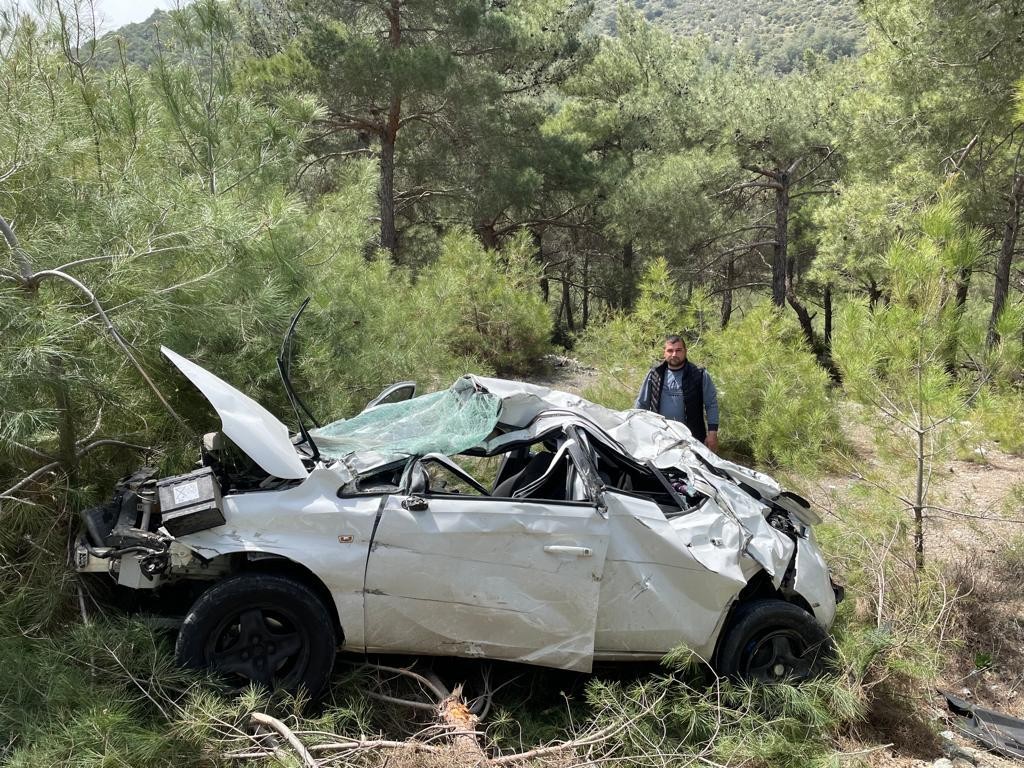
{"x": 559, "y": 549}
{"x": 414, "y": 503}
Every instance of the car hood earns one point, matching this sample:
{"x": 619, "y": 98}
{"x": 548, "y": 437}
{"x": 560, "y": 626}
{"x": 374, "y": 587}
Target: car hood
{"x": 249, "y": 425}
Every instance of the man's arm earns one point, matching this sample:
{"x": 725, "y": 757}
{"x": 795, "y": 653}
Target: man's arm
{"x": 643, "y": 400}
{"x": 711, "y": 409}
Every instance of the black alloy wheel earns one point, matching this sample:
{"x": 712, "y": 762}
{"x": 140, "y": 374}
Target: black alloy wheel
{"x": 772, "y": 641}
{"x": 261, "y": 628}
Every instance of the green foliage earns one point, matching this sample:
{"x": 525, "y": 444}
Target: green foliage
{"x": 486, "y": 303}
{"x": 624, "y": 342}
{"x": 89, "y": 697}
{"x": 774, "y": 397}
{"x": 624, "y": 345}
{"x": 895, "y": 356}
{"x": 997, "y": 415}
{"x": 760, "y": 725}
{"x": 135, "y": 43}
{"x": 203, "y": 196}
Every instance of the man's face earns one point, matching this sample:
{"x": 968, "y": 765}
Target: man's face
{"x": 675, "y": 354}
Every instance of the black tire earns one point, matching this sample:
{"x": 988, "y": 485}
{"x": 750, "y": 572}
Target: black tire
{"x": 773, "y": 641}
{"x": 261, "y": 628}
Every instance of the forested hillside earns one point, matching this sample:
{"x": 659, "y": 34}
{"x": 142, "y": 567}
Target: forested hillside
{"x": 135, "y": 42}
{"x": 463, "y": 186}
{"x": 774, "y": 32}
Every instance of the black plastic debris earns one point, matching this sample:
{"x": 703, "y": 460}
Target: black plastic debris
{"x": 1001, "y": 733}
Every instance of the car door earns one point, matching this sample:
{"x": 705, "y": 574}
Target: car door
{"x": 478, "y": 576}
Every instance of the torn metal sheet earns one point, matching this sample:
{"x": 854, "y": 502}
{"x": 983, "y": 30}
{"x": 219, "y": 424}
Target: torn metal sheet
{"x": 665, "y": 582}
{"x": 821, "y": 596}
{"x": 771, "y": 548}
{"x": 1001, "y": 733}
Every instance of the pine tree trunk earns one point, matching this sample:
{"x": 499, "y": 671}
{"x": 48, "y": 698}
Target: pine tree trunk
{"x": 874, "y": 294}
{"x": 822, "y": 351}
{"x": 488, "y": 236}
{"x": 919, "y": 499}
{"x": 388, "y": 234}
{"x": 780, "y": 255}
{"x": 1010, "y": 229}
{"x": 586, "y": 290}
{"x": 629, "y": 284}
{"x": 730, "y": 276}
{"x": 388, "y": 139}
{"x": 827, "y": 303}
{"x": 963, "y": 287}
{"x": 567, "y": 302}
{"x": 538, "y": 242}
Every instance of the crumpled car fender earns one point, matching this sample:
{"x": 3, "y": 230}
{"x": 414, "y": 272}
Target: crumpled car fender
{"x": 309, "y": 525}
{"x": 808, "y": 583}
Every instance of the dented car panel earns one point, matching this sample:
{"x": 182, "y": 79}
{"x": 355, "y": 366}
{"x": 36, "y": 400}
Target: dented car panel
{"x": 606, "y": 534}
{"x": 819, "y": 594}
{"x": 486, "y": 577}
{"x": 665, "y": 582}
{"x": 305, "y": 525}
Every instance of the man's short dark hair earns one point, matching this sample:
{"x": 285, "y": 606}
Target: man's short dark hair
{"x": 675, "y": 338}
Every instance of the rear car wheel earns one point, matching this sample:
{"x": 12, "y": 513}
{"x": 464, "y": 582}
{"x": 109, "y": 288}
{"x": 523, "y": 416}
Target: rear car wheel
{"x": 261, "y": 628}
{"x": 773, "y": 641}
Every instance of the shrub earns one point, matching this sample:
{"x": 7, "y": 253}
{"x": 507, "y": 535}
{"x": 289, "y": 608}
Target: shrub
{"x": 997, "y": 416}
{"x": 774, "y": 396}
{"x": 624, "y": 345}
{"x": 486, "y": 304}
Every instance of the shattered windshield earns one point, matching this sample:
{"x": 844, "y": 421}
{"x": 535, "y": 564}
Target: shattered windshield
{"x": 448, "y": 422}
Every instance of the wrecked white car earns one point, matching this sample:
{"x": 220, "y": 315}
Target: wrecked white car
{"x": 601, "y": 535}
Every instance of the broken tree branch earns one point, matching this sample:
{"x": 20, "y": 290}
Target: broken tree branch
{"x": 258, "y": 718}
{"x": 20, "y": 257}
{"x": 421, "y": 705}
{"x": 30, "y": 281}
{"x": 436, "y": 688}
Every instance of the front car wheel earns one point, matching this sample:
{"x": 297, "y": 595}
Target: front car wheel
{"x": 772, "y": 641}
{"x": 261, "y": 628}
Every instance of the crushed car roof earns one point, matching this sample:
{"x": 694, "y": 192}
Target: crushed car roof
{"x": 485, "y": 415}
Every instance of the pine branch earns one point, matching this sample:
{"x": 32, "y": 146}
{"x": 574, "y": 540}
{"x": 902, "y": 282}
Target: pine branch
{"x": 24, "y": 264}
{"x": 54, "y": 465}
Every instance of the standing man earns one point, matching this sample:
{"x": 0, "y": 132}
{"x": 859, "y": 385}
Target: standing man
{"x": 679, "y": 390}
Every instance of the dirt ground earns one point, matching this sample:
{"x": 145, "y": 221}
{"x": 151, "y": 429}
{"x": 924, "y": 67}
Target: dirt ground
{"x": 986, "y": 661}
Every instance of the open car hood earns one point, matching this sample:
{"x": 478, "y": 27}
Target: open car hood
{"x": 248, "y": 424}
